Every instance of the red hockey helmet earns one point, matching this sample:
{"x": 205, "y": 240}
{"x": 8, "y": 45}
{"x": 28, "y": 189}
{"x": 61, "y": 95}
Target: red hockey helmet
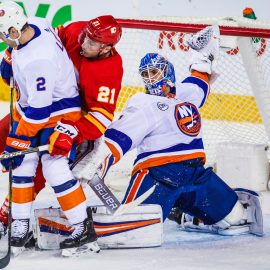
{"x": 103, "y": 29}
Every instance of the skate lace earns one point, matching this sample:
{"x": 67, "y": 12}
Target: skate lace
{"x": 78, "y": 230}
{"x": 19, "y": 228}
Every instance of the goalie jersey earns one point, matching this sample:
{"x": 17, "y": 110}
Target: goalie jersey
{"x": 45, "y": 81}
{"x": 163, "y": 131}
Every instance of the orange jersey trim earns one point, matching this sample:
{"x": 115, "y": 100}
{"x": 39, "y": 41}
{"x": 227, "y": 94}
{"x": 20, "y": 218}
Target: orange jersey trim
{"x": 31, "y": 129}
{"x": 136, "y": 185}
{"x": 71, "y": 199}
{"x": 104, "y": 112}
{"x": 95, "y": 122}
{"x": 201, "y": 75}
{"x": 23, "y": 195}
{"x": 114, "y": 151}
{"x": 157, "y": 161}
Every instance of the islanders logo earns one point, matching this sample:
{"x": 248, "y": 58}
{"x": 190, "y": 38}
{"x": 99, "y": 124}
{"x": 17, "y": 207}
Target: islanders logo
{"x": 188, "y": 119}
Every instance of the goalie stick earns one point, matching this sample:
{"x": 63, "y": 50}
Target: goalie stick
{"x": 110, "y": 201}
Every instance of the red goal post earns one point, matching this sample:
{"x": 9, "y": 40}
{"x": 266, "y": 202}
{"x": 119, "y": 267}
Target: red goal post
{"x": 238, "y": 107}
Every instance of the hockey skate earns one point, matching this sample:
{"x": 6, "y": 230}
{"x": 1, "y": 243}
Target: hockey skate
{"x": 21, "y": 238}
{"x": 83, "y": 239}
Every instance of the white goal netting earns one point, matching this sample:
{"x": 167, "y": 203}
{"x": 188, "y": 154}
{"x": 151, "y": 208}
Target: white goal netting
{"x": 232, "y": 112}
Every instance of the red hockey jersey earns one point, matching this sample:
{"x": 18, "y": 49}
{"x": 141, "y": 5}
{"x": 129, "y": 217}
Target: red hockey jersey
{"x": 99, "y": 81}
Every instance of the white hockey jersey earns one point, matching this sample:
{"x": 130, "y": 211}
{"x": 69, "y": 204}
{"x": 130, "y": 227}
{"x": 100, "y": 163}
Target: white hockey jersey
{"x": 163, "y": 131}
{"x": 45, "y": 81}
{"x": 194, "y": 89}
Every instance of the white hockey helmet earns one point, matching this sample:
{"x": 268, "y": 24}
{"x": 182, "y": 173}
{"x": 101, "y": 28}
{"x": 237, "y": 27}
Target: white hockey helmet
{"x": 11, "y": 15}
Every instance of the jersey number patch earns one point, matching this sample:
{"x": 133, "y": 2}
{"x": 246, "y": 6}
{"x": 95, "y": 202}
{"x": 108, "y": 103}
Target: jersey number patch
{"x": 106, "y": 95}
{"x": 41, "y": 84}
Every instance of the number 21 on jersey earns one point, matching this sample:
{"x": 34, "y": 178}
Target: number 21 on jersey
{"x": 105, "y": 94}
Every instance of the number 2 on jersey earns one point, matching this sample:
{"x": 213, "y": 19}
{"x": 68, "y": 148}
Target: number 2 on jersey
{"x": 106, "y": 94}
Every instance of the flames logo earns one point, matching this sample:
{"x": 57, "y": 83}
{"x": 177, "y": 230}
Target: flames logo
{"x": 188, "y": 119}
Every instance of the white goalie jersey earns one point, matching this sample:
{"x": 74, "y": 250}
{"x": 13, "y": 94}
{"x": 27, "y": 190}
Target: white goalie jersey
{"x": 163, "y": 131}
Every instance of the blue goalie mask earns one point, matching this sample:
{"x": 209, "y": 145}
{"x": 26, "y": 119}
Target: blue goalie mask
{"x": 157, "y": 74}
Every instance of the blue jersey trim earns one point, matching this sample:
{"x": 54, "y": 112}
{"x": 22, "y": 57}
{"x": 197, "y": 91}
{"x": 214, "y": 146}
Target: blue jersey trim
{"x": 45, "y": 112}
{"x": 195, "y": 144}
{"x": 120, "y": 138}
{"x": 202, "y": 84}
{"x": 37, "y": 34}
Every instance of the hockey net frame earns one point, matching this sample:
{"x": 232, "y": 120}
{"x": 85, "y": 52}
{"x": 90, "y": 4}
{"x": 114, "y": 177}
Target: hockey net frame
{"x": 244, "y": 43}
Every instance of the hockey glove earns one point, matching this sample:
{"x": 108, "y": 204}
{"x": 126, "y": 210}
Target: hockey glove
{"x": 205, "y": 48}
{"x": 15, "y": 143}
{"x": 6, "y": 66}
{"x": 62, "y": 138}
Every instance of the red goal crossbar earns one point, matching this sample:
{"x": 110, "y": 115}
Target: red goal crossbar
{"x": 192, "y": 28}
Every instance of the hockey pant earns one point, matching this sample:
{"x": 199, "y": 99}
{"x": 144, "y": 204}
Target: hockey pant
{"x": 196, "y": 190}
{"x": 39, "y": 180}
{"x": 57, "y": 173}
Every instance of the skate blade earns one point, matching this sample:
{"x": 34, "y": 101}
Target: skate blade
{"x": 92, "y": 247}
{"x": 16, "y": 251}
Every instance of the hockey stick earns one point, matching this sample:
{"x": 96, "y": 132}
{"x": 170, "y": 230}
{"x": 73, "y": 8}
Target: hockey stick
{"x": 6, "y": 259}
{"x": 110, "y": 201}
{"x": 25, "y": 152}
{"x": 124, "y": 208}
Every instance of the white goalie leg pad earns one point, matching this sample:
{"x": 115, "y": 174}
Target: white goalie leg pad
{"x": 141, "y": 227}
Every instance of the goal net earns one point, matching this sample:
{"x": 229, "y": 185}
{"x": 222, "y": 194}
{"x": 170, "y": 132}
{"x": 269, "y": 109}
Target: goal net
{"x": 238, "y": 107}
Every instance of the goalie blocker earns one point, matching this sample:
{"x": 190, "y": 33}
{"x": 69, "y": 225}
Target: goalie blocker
{"x": 140, "y": 227}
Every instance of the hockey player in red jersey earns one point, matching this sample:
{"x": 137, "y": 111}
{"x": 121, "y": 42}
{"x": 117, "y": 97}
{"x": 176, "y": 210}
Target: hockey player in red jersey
{"x": 99, "y": 72}
{"x": 99, "y": 68}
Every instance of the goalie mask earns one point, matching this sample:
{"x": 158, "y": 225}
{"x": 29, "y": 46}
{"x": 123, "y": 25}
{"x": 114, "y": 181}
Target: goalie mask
{"x": 157, "y": 74}
{"x": 11, "y": 15}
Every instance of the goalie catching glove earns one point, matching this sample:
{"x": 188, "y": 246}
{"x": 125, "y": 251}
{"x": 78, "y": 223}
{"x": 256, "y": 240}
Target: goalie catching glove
{"x": 16, "y": 143}
{"x": 205, "y": 48}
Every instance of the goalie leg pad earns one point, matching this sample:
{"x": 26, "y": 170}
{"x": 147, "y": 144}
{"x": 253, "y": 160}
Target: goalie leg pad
{"x": 141, "y": 227}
